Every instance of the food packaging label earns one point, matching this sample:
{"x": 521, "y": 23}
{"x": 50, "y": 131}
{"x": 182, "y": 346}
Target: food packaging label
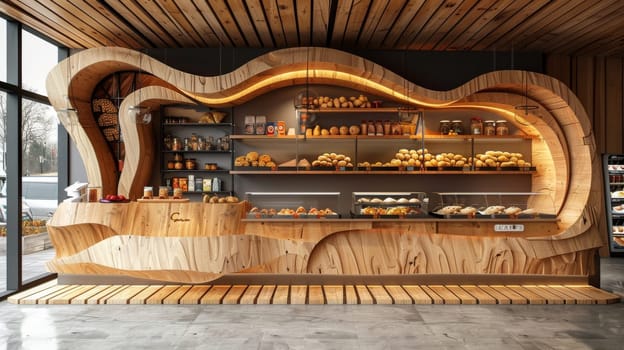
{"x": 175, "y": 182}
{"x": 183, "y": 184}
{"x": 250, "y": 124}
{"x": 281, "y": 128}
{"x": 199, "y": 184}
{"x": 191, "y": 183}
{"x": 207, "y": 185}
{"x": 216, "y": 184}
{"x": 270, "y": 129}
{"x": 260, "y": 124}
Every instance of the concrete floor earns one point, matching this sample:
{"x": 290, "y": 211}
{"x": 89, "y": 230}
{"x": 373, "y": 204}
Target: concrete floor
{"x": 319, "y": 326}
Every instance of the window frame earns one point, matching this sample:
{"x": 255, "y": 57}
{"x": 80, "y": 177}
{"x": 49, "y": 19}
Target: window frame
{"x": 15, "y": 93}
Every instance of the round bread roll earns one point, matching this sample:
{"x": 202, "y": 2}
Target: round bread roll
{"x": 344, "y": 130}
{"x": 333, "y": 130}
{"x": 354, "y": 130}
{"x": 252, "y": 156}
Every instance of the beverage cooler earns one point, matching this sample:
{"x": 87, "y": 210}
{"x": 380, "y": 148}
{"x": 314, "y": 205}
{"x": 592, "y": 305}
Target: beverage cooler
{"x": 613, "y": 167}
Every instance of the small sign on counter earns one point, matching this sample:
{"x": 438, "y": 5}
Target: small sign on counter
{"x": 509, "y": 228}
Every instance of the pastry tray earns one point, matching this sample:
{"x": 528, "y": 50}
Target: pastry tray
{"x": 296, "y": 216}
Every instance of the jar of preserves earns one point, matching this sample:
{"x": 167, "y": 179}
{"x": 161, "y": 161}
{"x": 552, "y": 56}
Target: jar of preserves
{"x": 167, "y": 141}
{"x": 370, "y": 128}
{"x": 187, "y": 144}
{"x": 194, "y": 143}
{"x": 190, "y": 164}
{"x": 476, "y": 126}
{"x": 387, "y": 127}
{"x": 178, "y": 165}
{"x": 363, "y": 127}
{"x": 445, "y": 127}
{"x": 163, "y": 192}
{"x": 176, "y": 145}
{"x": 502, "y": 129}
{"x": 148, "y": 192}
{"x": 171, "y": 165}
{"x": 457, "y": 126}
{"x": 489, "y": 128}
{"x": 379, "y": 129}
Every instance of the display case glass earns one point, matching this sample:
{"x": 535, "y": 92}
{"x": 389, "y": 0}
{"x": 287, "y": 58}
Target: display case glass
{"x": 389, "y": 204}
{"x": 492, "y": 205}
{"x": 285, "y": 205}
{"x": 614, "y": 196}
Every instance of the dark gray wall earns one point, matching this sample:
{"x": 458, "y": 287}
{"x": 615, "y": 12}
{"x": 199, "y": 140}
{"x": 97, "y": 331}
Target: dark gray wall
{"x": 429, "y": 69}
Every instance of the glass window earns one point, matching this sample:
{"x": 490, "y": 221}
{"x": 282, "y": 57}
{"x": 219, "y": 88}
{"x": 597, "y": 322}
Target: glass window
{"x": 39, "y": 183}
{"x": 3, "y": 50}
{"x": 38, "y": 58}
{"x": 3, "y": 232}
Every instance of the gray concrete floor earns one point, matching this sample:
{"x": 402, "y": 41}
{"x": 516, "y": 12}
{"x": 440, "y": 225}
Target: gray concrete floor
{"x": 319, "y": 326}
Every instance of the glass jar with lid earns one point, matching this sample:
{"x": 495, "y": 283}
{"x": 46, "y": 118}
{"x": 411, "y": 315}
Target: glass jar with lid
{"x": 476, "y": 126}
{"x": 489, "y": 128}
{"x": 176, "y": 145}
{"x": 502, "y": 129}
{"x": 457, "y": 126}
{"x": 445, "y": 127}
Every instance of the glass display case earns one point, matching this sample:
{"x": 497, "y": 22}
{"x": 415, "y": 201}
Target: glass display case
{"x": 289, "y": 205}
{"x": 389, "y": 204}
{"x": 614, "y": 195}
{"x": 495, "y": 205}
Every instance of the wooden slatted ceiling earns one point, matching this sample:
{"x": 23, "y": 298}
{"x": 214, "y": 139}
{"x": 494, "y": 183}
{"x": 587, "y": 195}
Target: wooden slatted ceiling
{"x": 569, "y": 27}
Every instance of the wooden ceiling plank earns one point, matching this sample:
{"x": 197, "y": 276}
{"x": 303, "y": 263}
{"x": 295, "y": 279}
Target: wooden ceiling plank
{"x": 570, "y": 23}
{"x": 272, "y": 15}
{"x": 472, "y": 22}
{"x": 500, "y": 25}
{"x": 376, "y": 12}
{"x": 206, "y": 35}
{"x": 461, "y": 11}
{"x": 59, "y": 22}
{"x": 357, "y": 18}
{"x": 596, "y": 40}
{"x": 446, "y": 17}
{"x": 223, "y": 14}
{"x": 84, "y": 21}
{"x": 177, "y": 11}
{"x": 211, "y": 19}
{"x": 27, "y": 19}
{"x": 525, "y": 21}
{"x": 136, "y": 16}
{"x": 343, "y": 10}
{"x": 93, "y": 18}
{"x": 286, "y": 10}
{"x": 304, "y": 16}
{"x": 598, "y": 25}
{"x": 154, "y": 9}
{"x": 404, "y": 19}
{"x": 320, "y": 22}
{"x": 387, "y": 20}
{"x": 259, "y": 21}
{"x": 242, "y": 17}
{"x": 415, "y": 26}
{"x": 120, "y": 28}
{"x": 541, "y": 29}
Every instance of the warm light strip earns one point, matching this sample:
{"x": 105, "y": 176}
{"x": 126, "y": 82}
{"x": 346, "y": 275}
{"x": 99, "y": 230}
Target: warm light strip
{"x": 316, "y": 73}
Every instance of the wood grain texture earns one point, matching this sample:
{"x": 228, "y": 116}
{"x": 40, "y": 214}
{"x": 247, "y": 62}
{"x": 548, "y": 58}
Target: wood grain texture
{"x": 564, "y": 151}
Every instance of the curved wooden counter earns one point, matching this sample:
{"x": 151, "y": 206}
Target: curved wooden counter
{"x": 218, "y": 242}
{"x": 198, "y": 242}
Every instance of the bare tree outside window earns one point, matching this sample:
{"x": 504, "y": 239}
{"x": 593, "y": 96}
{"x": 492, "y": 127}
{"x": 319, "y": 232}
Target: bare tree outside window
{"x": 37, "y": 149}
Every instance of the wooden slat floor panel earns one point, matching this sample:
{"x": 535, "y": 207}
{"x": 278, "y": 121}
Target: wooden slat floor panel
{"x": 52, "y": 293}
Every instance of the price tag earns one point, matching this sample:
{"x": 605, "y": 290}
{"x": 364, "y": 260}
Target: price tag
{"x": 509, "y": 228}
